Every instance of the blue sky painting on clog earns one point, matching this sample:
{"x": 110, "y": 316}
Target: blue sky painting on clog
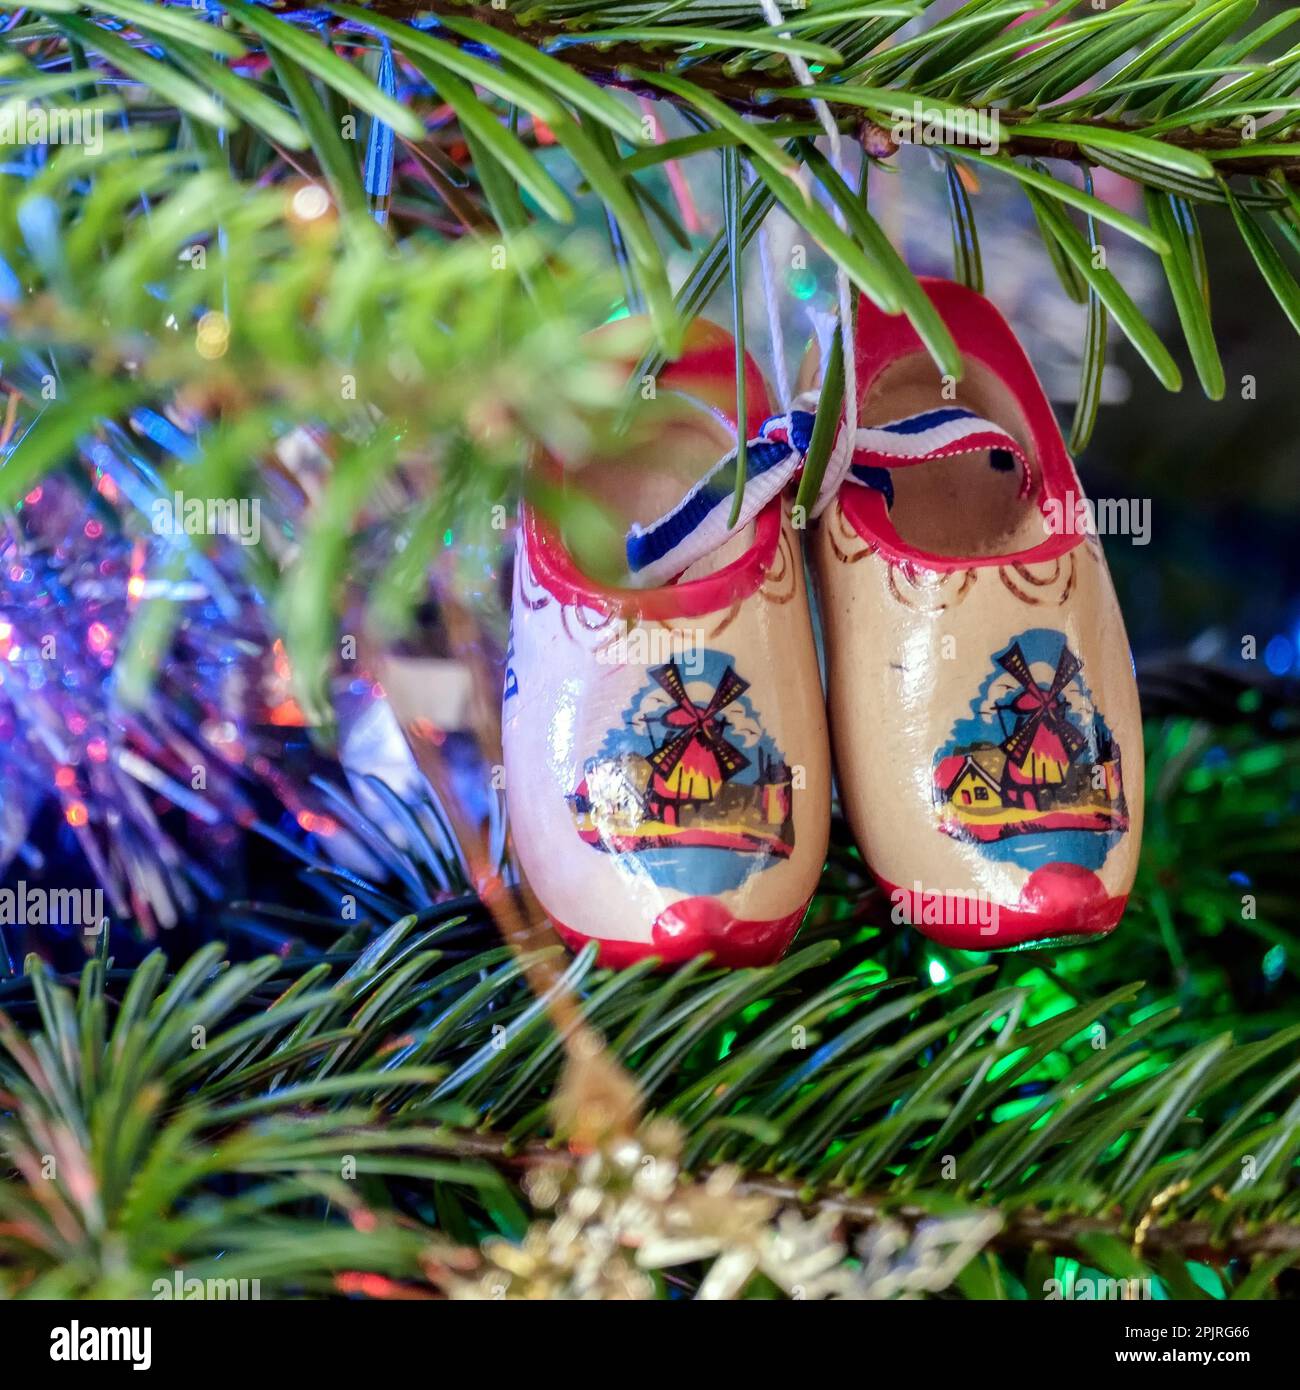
{"x": 689, "y": 789}
{"x": 1034, "y": 775}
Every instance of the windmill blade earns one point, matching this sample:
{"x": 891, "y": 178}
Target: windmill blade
{"x": 670, "y": 678}
{"x": 730, "y": 687}
{"x": 1067, "y": 667}
{"x": 730, "y": 758}
{"x": 669, "y": 754}
{"x": 1018, "y": 745}
{"x": 1013, "y": 661}
{"x": 1070, "y": 736}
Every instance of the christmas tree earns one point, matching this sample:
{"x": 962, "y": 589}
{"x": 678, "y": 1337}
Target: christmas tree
{"x": 287, "y": 297}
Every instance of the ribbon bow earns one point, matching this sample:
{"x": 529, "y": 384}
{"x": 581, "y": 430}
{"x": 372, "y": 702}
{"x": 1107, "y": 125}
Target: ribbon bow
{"x": 699, "y": 523}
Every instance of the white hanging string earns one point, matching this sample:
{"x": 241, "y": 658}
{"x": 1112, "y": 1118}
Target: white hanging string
{"x": 774, "y": 330}
{"x": 841, "y": 458}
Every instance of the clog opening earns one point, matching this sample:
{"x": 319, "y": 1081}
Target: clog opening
{"x": 970, "y": 504}
{"x": 670, "y": 443}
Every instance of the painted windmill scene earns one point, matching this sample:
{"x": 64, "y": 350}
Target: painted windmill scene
{"x": 1047, "y": 762}
{"x": 690, "y": 768}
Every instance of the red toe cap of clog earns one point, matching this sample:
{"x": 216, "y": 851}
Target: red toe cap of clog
{"x": 694, "y": 926}
{"x": 1059, "y": 904}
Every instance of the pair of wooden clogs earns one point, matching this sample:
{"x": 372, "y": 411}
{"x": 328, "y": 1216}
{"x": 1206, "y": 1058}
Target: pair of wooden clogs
{"x": 668, "y": 764}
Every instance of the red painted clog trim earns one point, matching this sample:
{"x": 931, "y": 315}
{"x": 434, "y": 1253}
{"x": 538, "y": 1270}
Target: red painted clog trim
{"x": 555, "y": 571}
{"x": 982, "y": 335}
{"x": 1059, "y": 904}
{"x": 692, "y": 927}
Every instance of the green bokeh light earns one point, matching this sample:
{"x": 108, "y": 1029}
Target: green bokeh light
{"x": 802, "y": 283}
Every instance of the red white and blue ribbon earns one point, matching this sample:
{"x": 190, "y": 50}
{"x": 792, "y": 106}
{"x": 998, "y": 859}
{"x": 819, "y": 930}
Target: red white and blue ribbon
{"x": 700, "y": 522}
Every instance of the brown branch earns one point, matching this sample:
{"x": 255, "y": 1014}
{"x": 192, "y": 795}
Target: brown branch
{"x": 1023, "y": 1229}
{"x": 595, "y": 1098}
{"x": 612, "y": 65}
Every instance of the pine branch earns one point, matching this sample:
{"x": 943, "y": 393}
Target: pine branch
{"x": 1168, "y": 119}
{"x": 1106, "y": 1128}
{"x": 1022, "y": 1229}
{"x": 849, "y": 1126}
{"x": 614, "y": 63}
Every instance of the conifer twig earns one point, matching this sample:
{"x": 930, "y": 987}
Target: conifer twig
{"x": 1024, "y": 1228}
{"x": 611, "y": 64}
